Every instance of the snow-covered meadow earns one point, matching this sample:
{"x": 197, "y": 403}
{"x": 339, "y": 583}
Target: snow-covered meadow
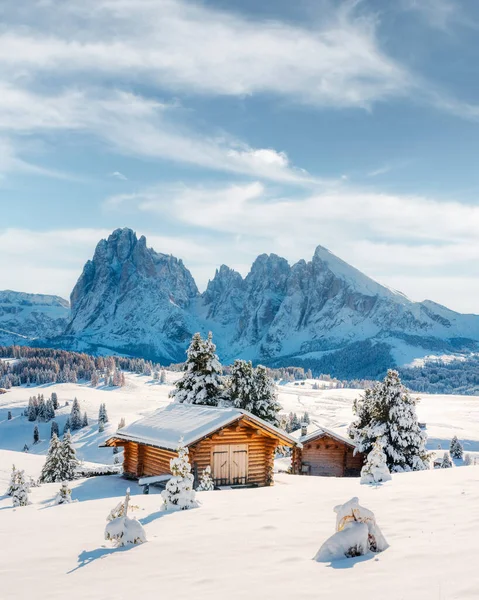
{"x": 256, "y": 543}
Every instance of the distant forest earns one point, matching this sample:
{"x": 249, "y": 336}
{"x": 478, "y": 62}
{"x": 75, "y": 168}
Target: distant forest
{"x": 36, "y": 366}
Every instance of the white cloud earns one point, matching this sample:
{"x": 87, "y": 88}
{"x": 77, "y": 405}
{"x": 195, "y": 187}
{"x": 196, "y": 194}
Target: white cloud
{"x": 118, "y": 175}
{"x": 186, "y": 46}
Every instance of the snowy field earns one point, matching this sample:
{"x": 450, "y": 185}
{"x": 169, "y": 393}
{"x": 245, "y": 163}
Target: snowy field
{"x": 445, "y": 416}
{"x": 253, "y": 543}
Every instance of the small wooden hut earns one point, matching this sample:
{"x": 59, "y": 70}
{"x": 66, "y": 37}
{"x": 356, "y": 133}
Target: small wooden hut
{"x": 238, "y": 446}
{"x": 325, "y": 453}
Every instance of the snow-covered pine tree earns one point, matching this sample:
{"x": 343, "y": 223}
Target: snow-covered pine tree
{"x": 163, "y": 376}
{"x": 67, "y": 426}
{"x": 266, "y": 405}
{"x": 306, "y": 419}
{"x": 64, "y": 495}
{"x": 54, "y": 429}
{"x": 467, "y": 460}
{"x": 12, "y": 486}
{"x": 121, "y": 423}
{"x": 69, "y": 458}
{"x": 49, "y": 410}
{"x": 20, "y": 493}
{"x": 36, "y": 435}
{"x": 241, "y": 385}
{"x": 446, "y": 461}
{"x": 456, "y": 450}
{"x": 156, "y": 375}
{"x": 206, "y": 481}
{"x": 201, "y": 382}
{"x": 53, "y": 469}
{"x": 102, "y": 414}
{"x": 54, "y": 399}
{"x": 179, "y": 492}
{"x": 84, "y": 422}
{"x": 75, "y": 416}
{"x": 42, "y": 410}
{"x": 101, "y": 427}
{"x": 32, "y": 411}
{"x": 375, "y": 470}
{"x": 26, "y": 448}
{"x": 387, "y": 414}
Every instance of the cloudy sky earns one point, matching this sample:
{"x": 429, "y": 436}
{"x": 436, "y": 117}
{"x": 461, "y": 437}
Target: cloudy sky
{"x": 225, "y": 129}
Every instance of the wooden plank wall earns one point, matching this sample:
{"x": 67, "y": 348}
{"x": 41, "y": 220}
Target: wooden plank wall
{"x": 260, "y": 452}
{"x": 328, "y": 457}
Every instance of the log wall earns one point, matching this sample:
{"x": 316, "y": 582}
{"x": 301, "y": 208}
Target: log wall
{"x": 327, "y": 457}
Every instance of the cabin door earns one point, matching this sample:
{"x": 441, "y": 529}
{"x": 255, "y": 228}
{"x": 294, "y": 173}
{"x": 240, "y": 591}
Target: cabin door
{"x": 230, "y": 464}
{"x": 238, "y": 464}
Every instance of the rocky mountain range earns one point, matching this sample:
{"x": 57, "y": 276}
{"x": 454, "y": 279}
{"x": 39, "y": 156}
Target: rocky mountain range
{"x": 323, "y": 314}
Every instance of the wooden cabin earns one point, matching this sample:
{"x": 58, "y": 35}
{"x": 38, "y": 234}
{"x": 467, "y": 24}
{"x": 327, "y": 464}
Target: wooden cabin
{"x": 238, "y": 446}
{"x": 325, "y": 453}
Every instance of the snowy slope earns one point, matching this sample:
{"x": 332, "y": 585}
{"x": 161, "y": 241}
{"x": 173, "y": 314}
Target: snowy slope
{"x": 254, "y": 543}
{"x": 445, "y": 416}
{"x": 24, "y": 317}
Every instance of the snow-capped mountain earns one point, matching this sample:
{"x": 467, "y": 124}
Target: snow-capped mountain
{"x": 322, "y": 313}
{"x": 132, "y": 299}
{"x": 24, "y": 317}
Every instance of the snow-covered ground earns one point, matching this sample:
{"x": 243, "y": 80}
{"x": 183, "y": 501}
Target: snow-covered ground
{"x": 445, "y": 416}
{"x": 253, "y": 543}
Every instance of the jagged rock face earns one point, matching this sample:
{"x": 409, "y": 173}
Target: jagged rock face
{"x": 132, "y": 298}
{"x": 25, "y": 317}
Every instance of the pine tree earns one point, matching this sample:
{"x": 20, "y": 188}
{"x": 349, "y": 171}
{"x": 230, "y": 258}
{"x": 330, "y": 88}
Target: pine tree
{"x": 36, "y": 435}
{"x": 67, "y": 426}
{"x": 456, "y": 448}
{"x": 75, "y": 416}
{"x": 32, "y": 411}
{"x": 64, "y": 495}
{"x": 26, "y": 448}
{"x": 42, "y": 410}
{"x": 201, "y": 382}
{"x": 53, "y": 469}
{"x": 206, "y": 481}
{"x": 20, "y": 493}
{"x": 387, "y": 414}
{"x": 105, "y": 414}
{"x": 306, "y": 418}
{"x": 84, "y": 422}
{"x": 49, "y": 410}
{"x": 156, "y": 375}
{"x": 9, "y": 415}
{"x": 13, "y": 481}
{"x": 54, "y": 429}
{"x": 179, "y": 492}
{"x": 446, "y": 461}
{"x": 54, "y": 400}
{"x": 101, "y": 427}
{"x": 375, "y": 470}
{"x": 163, "y": 376}
{"x": 467, "y": 460}
{"x": 266, "y": 405}
{"x": 69, "y": 459}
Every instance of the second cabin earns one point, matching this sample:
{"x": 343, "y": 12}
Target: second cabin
{"x": 325, "y": 453}
{"x": 238, "y": 446}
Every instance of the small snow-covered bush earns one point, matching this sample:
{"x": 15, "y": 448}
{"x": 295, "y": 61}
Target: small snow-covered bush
{"x": 455, "y": 449}
{"x": 446, "y": 461}
{"x": 118, "y": 511}
{"x": 122, "y": 530}
{"x": 357, "y": 533}
{"x": 179, "y": 493}
{"x": 375, "y": 469}
{"x": 64, "y": 495}
{"x": 20, "y": 491}
{"x": 206, "y": 481}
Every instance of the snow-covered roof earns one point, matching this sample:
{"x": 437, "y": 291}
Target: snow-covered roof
{"x": 318, "y": 431}
{"x": 192, "y": 422}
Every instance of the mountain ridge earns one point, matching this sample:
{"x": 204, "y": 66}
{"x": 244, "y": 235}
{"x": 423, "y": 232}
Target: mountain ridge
{"x": 132, "y": 299}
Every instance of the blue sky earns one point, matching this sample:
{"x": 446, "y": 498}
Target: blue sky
{"x": 222, "y": 130}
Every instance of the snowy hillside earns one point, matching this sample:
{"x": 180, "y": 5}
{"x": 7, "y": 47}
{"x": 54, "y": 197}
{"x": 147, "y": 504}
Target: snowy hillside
{"x": 252, "y": 543}
{"x": 445, "y": 416}
{"x": 134, "y": 300}
{"x": 24, "y": 317}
